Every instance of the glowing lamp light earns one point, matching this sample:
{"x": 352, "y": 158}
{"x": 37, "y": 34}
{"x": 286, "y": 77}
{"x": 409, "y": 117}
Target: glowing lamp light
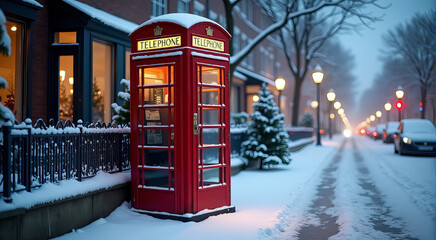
{"x": 388, "y": 106}
{"x": 347, "y": 133}
{"x": 399, "y": 92}
{"x": 317, "y": 74}
{"x": 321, "y": 131}
{"x": 71, "y": 80}
{"x": 62, "y": 74}
{"x": 331, "y": 95}
{"x": 337, "y": 105}
{"x": 280, "y": 83}
{"x": 372, "y": 118}
{"x": 314, "y": 104}
{"x": 378, "y": 114}
{"x": 14, "y": 28}
{"x": 341, "y": 111}
{"x": 332, "y": 116}
{"x": 399, "y": 105}
{"x": 71, "y": 91}
{"x": 255, "y": 98}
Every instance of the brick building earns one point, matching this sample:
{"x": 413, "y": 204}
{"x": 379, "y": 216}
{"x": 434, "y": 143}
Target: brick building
{"x": 68, "y": 56}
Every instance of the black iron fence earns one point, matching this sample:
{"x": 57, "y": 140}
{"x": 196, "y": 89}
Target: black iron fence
{"x": 34, "y": 155}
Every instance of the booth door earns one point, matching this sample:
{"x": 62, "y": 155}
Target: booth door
{"x": 156, "y": 136}
{"x": 213, "y": 186}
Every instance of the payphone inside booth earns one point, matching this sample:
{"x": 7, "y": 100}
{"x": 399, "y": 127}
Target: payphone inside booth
{"x": 180, "y": 118}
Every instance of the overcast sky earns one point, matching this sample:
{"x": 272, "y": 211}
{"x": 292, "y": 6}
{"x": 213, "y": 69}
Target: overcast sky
{"x": 366, "y": 46}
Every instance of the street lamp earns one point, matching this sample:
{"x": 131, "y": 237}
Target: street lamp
{"x": 317, "y": 76}
{"x": 314, "y": 104}
{"x": 255, "y": 98}
{"x": 337, "y": 105}
{"x": 388, "y": 107}
{"x": 400, "y": 95}
{"x": 378, "y": 114}
{"x": 372, "y": 118}
{"x": 280, "y": 85}
{"x": 341, "y": 111}
{"x": 331, "y": 95}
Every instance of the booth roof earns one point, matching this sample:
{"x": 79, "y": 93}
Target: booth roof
{"x": 183, "y": 19}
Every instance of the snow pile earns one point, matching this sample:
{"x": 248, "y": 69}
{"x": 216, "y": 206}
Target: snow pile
{"x": 50, "y": 192}
{"x": 185, "y": 20}
{"x": 104, "y": 17}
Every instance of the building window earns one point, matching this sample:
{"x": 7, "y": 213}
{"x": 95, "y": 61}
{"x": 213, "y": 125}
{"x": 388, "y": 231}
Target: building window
{"x": 11, "y": 69}
{"x": 236, "y": 40}
{"x": 102, "y": 81}
{"x": 183, "y": 6}
{"x": 158, "y": 7}
{"x": 198, "y": 8}
{"x": 66, "y": 83}
{"x": 65, "y": 37}
{"x": 127, "y": 75}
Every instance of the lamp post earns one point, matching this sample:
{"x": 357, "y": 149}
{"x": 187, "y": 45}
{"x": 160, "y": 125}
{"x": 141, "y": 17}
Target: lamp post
{"x": 336, "y": 105}
{"x": 317, "y": 76}
{"x": 400, "y": 95}
{"x": 372, "y": 118}
{"x": 378, "y": 114}
{"x": 388, "y": 107}
{"x": 280, "y": 85}
{"x": 331, "y": 95}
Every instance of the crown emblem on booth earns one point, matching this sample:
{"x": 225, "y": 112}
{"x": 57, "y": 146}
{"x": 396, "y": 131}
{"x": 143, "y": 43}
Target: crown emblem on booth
{"x": 209, "y": 31}
{"x": 157, "y": 31}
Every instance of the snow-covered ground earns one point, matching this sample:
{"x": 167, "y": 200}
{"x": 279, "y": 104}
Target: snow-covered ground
{"x": 372, "y": 194}
{"x": 259, "y": 196}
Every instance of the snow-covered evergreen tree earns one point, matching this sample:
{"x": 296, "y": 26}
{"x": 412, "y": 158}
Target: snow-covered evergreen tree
{"x": 267, "y": 138}
{"x": 122, "y": 113}
{"x": 5, "y": 49}
{"x": 307, "y": 120}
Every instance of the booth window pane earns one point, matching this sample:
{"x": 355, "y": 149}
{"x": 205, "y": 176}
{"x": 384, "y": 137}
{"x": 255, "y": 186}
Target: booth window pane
{"x": 11, "y": 69}
{"x": 157, "y": 75}
{"x": 211, "y": 156}
{"x": 66, "y": 82}
{"x": 210, "y": 75}
{"x": 65, "y": 37}
{"x": 102, "y": 83}
{"x": 210, "y": 136}
{"x": 156, "y": 116}
{"x": 156, "y": 157}
{"x": 156, "y": 137}
{"x": 210, "y": 96}
{"x": 211, "y": 176}
{"x": 156, "y": 178}
{"x": 210, "y": 116}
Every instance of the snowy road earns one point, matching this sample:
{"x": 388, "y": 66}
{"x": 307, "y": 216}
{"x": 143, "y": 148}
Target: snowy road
{"x": 347, "y": 189}
{"x": 367, "y": 192}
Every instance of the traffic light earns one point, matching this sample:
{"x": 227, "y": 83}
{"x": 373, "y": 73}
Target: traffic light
{"x": 399, "y": 105}
{"x": 420, "y": 106}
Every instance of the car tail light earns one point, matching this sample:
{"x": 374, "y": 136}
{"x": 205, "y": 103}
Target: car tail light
{"x": 375, "y": 134}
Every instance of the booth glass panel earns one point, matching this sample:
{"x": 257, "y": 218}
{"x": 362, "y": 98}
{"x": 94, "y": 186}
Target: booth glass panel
{"x": 211, "y": 156}
{"x": 210, "y": 136}
{"x": 155, "y": 137}
{"x": 210, "y": 116}
{"x": 156, "y": 158}
{"x": 211, "y": 176}
{"x": 156, "y": 178}
{"x": 210, "y": 96}
{"x": 210, "y": 75}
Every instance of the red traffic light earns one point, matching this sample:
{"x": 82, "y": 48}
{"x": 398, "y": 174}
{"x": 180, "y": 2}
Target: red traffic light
{"x": 420, "y": 104}
{"x": 399, "y": 105}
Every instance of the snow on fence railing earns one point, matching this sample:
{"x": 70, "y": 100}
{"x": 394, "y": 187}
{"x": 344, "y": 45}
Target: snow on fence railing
{"x": 40, "y": 153}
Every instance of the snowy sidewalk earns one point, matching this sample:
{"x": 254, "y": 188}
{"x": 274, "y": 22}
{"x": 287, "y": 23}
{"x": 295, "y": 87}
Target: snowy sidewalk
{"x": 259, "y": 196}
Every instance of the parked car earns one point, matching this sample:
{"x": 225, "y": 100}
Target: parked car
{"x": 388, "y": 132}
{"x": 415, "y": 136}
{"x": 369, "y": 131}
{"x": 378, "y": 132}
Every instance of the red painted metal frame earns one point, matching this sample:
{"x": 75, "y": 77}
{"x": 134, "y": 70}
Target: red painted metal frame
{"x": 186, "y": 196}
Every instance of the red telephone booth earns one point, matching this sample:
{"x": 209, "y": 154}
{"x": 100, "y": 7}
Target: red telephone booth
{"x": 180, "y": 117}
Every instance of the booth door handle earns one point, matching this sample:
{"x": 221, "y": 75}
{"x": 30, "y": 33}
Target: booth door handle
{"x": 196, "y": 124}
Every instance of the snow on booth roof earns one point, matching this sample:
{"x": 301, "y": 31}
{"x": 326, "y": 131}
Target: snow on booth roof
{"x": 185, "y": 20}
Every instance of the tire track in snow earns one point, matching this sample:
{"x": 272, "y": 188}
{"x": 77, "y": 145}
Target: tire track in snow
{"x": 380, "y": 214}
{"x": 325, "y": 223}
